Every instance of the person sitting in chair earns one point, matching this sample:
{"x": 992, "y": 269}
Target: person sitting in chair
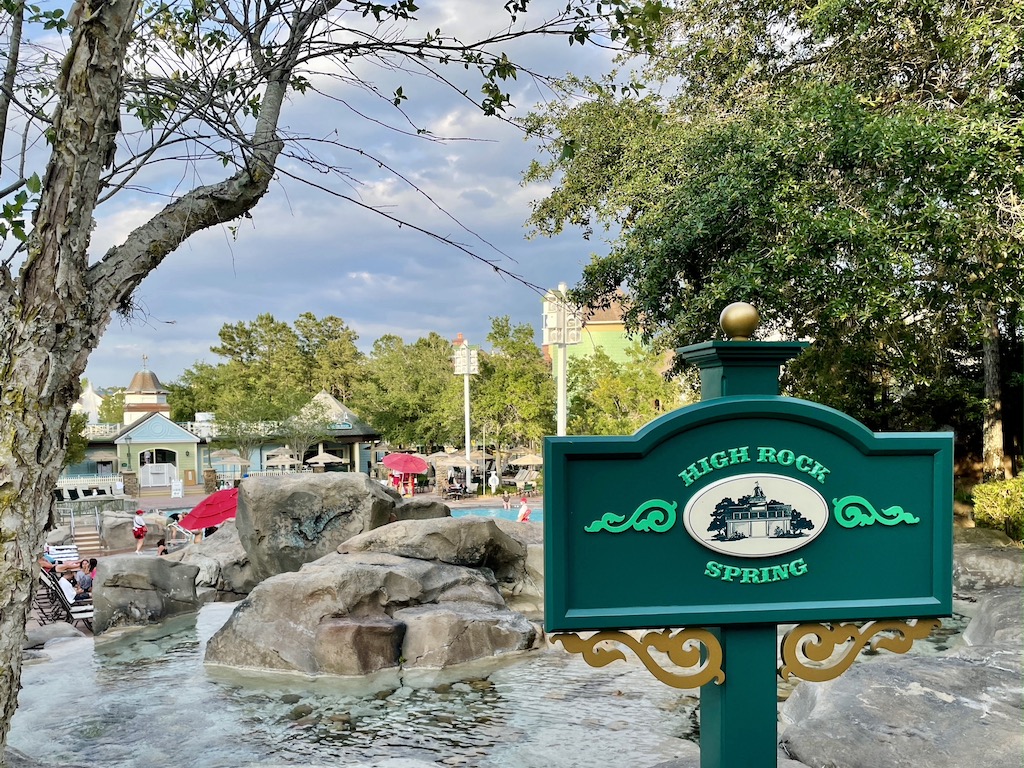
{"x": 71, "y": 591}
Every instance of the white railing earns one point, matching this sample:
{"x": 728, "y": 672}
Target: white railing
{"x": 278, "y": 472}
{"x": 90, "y": 481}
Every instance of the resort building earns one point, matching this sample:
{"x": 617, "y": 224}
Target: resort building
{"x": 756, "y": 517}
{"x": 149, "y": 451}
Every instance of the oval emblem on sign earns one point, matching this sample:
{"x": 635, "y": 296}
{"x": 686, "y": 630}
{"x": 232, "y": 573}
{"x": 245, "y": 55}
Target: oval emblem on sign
{"x": 756, "y": 515}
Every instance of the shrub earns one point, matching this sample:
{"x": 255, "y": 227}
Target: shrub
{"x": 1000, "y": 504}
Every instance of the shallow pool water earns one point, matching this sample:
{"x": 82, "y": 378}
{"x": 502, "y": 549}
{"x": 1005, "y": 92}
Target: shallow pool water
{"x": 146, "y": 698}
{"x": 536, "y": 513}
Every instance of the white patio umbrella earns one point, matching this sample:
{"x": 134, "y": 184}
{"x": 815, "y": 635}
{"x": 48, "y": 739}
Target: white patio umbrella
{"x": 529, "y": 460}
{"x": 281, "y": 461}
{"x": 326, "y": 458}
{"x": 282, "y": 451}
{"x": 234, "y": 460}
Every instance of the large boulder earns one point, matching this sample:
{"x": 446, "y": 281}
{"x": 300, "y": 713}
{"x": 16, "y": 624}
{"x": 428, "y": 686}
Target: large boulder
{"x": 474, "y": 542}
{"x": 37, "y": 637}
{"x": 286, "y": 521}
{"x": 526, "y": 595}
{"x": 138, "y": 590}
{"x": 908, "y": 712}
{"x": 306, "y": 621}
{"x": 223, "y": 563}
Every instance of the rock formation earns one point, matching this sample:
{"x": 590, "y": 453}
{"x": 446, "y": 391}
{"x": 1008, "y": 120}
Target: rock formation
{"x": 132, "y": 590}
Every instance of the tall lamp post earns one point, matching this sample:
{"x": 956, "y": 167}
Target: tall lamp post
{"x": 466, "y": 365}
{"x": 562, "y": 327}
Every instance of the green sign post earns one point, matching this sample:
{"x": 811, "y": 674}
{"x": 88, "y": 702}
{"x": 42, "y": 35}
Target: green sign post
{"x": 731, "y": 516}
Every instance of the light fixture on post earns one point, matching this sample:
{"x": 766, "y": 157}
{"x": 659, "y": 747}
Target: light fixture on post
{"x": 562, "y": 327}
{"x": 466, "y": 364}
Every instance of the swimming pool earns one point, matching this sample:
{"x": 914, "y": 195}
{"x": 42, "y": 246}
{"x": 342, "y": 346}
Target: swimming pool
{"x": 536, "y": 515}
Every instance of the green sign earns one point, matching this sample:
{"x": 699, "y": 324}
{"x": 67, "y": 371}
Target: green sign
{"x": 747, "y": 509}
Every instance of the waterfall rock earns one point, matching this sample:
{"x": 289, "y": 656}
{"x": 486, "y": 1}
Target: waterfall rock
{"x": 286, "y": 521}
{"x": 526, "y": 595}
{"x": 133, "y": 590}
{"x": 304, "y": 621}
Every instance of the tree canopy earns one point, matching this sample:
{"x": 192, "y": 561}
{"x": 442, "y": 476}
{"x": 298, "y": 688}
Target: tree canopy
{"x": 852, "y": 168}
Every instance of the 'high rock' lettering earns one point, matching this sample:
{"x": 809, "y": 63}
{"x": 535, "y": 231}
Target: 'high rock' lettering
{"x": 718, "y": 460}
{"x": 765, "y": 455}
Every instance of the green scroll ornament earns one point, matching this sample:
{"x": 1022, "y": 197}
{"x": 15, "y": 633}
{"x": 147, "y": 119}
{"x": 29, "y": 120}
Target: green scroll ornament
{"x": 854, "y": 511}
{"x": 654, "y": 515}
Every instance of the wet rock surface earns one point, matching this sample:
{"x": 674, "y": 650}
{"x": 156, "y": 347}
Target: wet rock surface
{"x": 132, "y": 590}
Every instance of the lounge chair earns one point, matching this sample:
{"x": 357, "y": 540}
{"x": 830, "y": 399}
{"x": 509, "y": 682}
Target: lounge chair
{"x": 64, "y": 609}
{"x": 65, "y": 553}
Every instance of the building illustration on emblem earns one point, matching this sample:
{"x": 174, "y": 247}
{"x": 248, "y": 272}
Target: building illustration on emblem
{"x": 755, "y": 516}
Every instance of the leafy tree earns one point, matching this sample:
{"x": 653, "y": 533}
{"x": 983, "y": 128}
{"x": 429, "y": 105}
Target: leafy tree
{"x": 77, "y": 441}
{"x": 850, "y": 167}
{"x": 308, "y": 426}
{"x": 197, "y": 85}
{"x": 329, "y": 346}
{"x": 607, "y": 398}
{"x": 409, "y": 392}
{"x": 112, "y": 408}
{"x": 514, "y": 395}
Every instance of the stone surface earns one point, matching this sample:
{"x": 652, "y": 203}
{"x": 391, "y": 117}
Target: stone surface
{"x": 977, "y": 568}
{"x": 454, "y": 633}
{"x": 138, "y": 590}
{"x": 279, "y": 625}
{"x": 997, "y": 620}
{"x": 116, "y": 529}
{"x": 37, "y": 637}
{"x": 908, "y": 712}
{"x": 474, "y": 542}
{"x": 223, "y": 563}
{"x": 526, "y": 595}
{"x": 988, "y": 537}
{"x": 286, "y": 521}
{"x": 357, "y": 646}
{"x": 420, "y": 509}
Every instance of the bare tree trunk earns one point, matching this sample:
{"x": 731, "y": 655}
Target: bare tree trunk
{"x": 993, "y": 466}
{"x": 11, "y": 70}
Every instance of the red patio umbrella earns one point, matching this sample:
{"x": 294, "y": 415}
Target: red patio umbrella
{"x": 213, "y": 510}
{"x": 405, "y": 463}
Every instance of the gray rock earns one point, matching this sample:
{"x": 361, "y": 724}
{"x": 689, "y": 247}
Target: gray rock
{"x": 37, "y": 637}
{"x": 691, "y": 759}
{"x": 13, "y": 758}
{"x": 454, "y": 633}
{"x": 987, "y": 537}
{"x": 474, "y": 542}
{"x": 116, "y": 529}
{"x": 526, "y": 595}
{"x": 998, "y": 619}
{"x": 133, "y": 590}
{"x": 223, "y": 562}
{"x": 279, "y": 625}
{"x": 977, "y": 568}
{"x": 358, "y": 645}
{"x": 905, "y": 713}
{"x": 420, "y": 509}
{"x": 287, "y": 521}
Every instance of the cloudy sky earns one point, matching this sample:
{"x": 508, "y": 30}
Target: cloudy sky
{"x": 304, "y": 250}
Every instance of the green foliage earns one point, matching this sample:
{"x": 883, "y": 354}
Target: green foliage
{"x": 77, "y": 442}
{"x": 1000, "y": 504}
{"x": 854, "y": 171}
{"x": 513, "y": 398}
{"x": 408, "y": 391}
{"x": 607, "y": 398}
{"x": 112, "y": 408}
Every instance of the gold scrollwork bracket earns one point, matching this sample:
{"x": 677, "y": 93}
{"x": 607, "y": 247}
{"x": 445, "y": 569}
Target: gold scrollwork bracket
{"x": 683, "y": 648}
{"x": 818, "y": 642}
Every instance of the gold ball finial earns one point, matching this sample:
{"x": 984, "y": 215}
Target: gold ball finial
{"x": 739, "y": 320}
